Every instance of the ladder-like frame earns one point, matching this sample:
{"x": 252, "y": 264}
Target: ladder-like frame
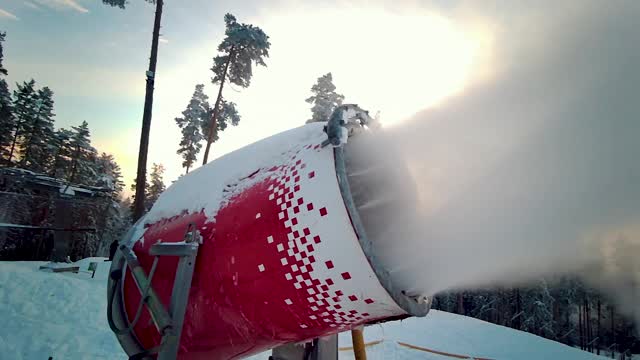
{"x": 169, "y": 321}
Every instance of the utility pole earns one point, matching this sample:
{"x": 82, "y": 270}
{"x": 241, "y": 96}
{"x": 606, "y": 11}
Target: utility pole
{"x": 138, "y": 206}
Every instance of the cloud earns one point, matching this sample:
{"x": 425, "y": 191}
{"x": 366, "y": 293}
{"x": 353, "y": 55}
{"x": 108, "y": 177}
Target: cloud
{"x": 31, "y": 5}
{"x": 4, "y": 14}
{"x": 64, "y": 5}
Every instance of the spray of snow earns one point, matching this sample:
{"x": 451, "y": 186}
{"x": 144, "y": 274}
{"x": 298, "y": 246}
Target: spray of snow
{"x": 532, "y": 172}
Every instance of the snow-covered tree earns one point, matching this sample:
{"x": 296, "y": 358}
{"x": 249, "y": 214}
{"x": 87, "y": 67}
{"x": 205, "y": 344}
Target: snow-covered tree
{"x": 156, "y": 184}
{"x": 62, "y": 154}
{"x": 243, "y": 45}
{"x": 83, "y": 157}
{"x": 108, "y": 174}
{"x": 538, "y": 309}
{"x": 38, "y": 133}
{"x": 24, "y": 108}
{"x": 191, "y": 124}
{"x": 324, "y": 99}
{"x": 153, "y": 188}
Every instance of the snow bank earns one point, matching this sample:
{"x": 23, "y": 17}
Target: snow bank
{"x": 62, "y": 315}
{"x": 461, "y": 335}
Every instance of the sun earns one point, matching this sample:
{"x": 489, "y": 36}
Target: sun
{"x": 395, "y": 63}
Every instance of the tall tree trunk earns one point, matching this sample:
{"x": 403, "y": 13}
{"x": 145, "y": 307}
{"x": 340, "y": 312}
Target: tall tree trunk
{"x": 138, "y": 206}
{"x": 27, "y": 153}
{"x": 580, "y": 330}
{"x": 213, "y": 129}
{"x": 588, "y": 318}
{"x": 613, "y": 334}
{"x": 74, "y": 169}
{"x": 13, "y": 144}
{"x": 460, "y": 304}
{"x": 518, "y": 321}
{"x": 598, "y": 325}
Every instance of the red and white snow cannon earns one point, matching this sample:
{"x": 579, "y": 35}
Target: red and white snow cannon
{"x": 262, "y": 247}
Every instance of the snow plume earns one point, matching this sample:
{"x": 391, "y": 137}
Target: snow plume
{"x": 535, "y": 171}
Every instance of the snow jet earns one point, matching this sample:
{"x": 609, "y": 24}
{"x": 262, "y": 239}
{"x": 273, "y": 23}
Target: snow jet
{"x": 531, "y": 172}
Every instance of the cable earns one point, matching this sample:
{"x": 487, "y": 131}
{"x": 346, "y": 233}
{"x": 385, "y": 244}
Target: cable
{"x": 116, "y": 275}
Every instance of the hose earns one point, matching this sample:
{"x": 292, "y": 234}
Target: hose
{"x": 116, "y": 275}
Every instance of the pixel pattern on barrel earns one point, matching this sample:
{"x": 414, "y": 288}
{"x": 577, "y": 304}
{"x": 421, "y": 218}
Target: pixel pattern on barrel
{"x": 329, "y": 302}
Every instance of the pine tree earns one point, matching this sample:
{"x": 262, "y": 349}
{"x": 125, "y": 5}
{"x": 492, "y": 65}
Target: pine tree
{"x": 133, "y": 187}
{"x": 538, "y": 307}
{"x": 156, "y": 185}
{"x": 243, "y": 45}
{"x": 108, "y": 174}
{"x": 7, "y": 122}
{"x": 191, "y": 124}
{"x": 62, "y": 154}
{"x": 83, "y": 159}
{"x": 228, "y": 116}
{"x": 153, "y": 188}
{"x": 24, "y": 113}
{"x": 3, "y": 71}
{"x": 324, "y": 99}
{"x": 38, "y": 135}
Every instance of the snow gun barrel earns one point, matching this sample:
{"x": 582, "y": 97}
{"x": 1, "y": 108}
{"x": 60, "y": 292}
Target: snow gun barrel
{"x": 265, "y": 246}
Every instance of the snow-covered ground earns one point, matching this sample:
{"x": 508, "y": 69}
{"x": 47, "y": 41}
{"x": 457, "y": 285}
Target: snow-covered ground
{"x": 62, "y": 315}
{"x": 458, "y": 335}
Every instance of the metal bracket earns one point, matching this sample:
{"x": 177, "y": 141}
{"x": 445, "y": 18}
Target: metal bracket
{"x": 345, "y": 120}
{"x": 169, "y": 322}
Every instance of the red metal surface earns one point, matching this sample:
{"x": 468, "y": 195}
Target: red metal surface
{"x": 253, "y": 287}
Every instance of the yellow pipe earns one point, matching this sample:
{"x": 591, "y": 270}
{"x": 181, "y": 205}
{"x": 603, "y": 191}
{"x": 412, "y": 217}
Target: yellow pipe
{"x": 357, "y": 338}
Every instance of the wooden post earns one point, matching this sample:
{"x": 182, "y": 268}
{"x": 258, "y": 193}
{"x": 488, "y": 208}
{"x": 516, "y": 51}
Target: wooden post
{"x": 357, "y": 338}
{"x": 138, "y": 206}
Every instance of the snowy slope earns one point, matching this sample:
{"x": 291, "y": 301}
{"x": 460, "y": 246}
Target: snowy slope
{"x": 62, "y": 315}
{"x": 458, "y": 335}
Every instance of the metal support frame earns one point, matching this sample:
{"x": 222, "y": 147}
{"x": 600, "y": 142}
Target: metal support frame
{"x": 180, "y": 292}
{"x": 317, "y": 349}
{"x": 169, "y": 322}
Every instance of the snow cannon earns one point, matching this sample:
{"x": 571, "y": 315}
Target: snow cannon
{"x": 265, "y": 246}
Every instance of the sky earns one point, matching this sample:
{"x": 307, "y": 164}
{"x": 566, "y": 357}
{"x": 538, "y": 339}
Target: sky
{"x": 394, "y": 57}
